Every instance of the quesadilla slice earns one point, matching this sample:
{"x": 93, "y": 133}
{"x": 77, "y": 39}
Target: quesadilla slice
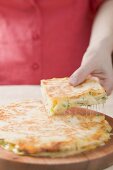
{"x": 25, "y": 129}
{"x": 59, "y": 95}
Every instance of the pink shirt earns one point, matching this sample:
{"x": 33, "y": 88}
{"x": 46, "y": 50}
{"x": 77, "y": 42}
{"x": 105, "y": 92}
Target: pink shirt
{"x": 43, "y": 38}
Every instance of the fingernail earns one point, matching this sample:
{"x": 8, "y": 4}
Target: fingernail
{"x": 72, "y": 80}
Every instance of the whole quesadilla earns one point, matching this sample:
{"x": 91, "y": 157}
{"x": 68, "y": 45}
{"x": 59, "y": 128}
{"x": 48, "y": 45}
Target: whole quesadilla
{"x": 25, "y": 129}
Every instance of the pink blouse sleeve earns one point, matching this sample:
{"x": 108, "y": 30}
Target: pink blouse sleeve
{"x": 95, "y": 4}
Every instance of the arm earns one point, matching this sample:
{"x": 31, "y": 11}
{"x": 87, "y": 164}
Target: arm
{"x": 102, "y": 29}
{"x": 97, "y": 58}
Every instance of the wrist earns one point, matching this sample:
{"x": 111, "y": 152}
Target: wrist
{"x": 104, "y": 43}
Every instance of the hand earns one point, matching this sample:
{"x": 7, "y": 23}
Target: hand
{"x": 96, "y": 62}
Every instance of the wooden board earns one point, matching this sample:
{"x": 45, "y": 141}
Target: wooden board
{"x": 97, "y": 159}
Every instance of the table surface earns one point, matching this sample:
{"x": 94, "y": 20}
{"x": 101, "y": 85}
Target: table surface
{"x": 9, "y": 94}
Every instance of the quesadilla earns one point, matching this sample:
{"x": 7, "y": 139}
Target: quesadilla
{"x": 59, "y": 95}
{"x": 25, "y": 129}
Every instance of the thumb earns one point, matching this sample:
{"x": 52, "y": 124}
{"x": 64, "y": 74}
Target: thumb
{"x": 80, "y": 75}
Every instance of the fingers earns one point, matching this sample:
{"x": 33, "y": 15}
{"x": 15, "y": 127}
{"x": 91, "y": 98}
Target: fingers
{"x": 108, "y": 85}
{"x": 106, "y": 81}
{"x": 79, "y": 75}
